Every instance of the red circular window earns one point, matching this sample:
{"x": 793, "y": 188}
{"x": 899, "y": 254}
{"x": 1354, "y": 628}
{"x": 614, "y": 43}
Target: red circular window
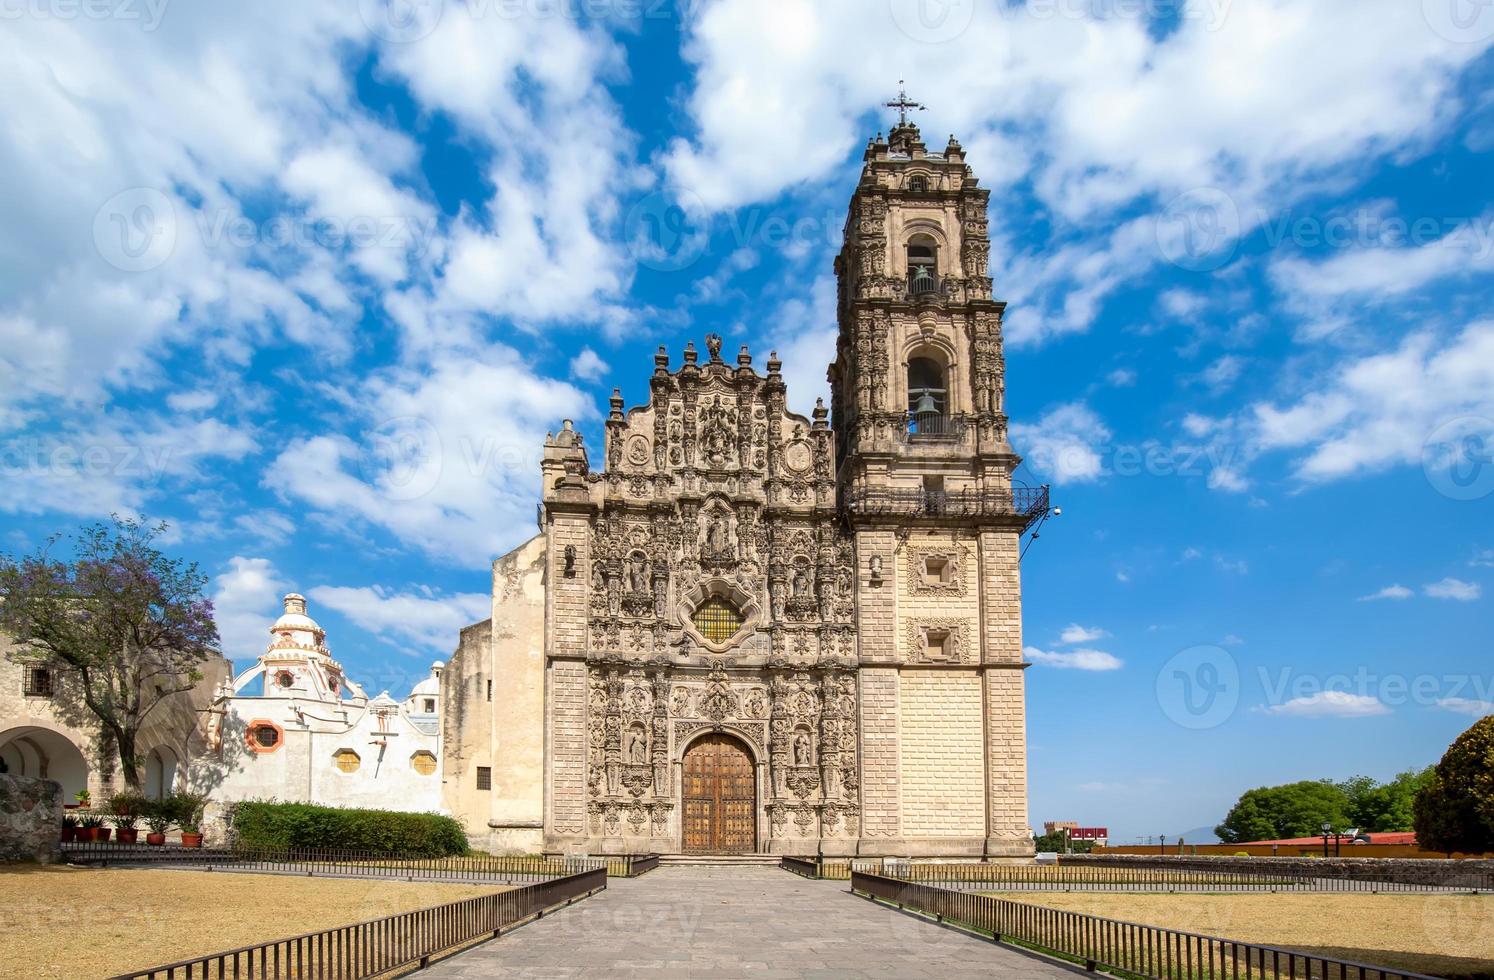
{"x": 284, "y": 678}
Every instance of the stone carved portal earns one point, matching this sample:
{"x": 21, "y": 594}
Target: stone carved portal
{"x": 715, "y": 492}
{"x": 719, "y": 797}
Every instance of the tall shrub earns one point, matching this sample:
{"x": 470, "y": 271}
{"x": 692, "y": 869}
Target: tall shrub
{"x": 260, "y": 824}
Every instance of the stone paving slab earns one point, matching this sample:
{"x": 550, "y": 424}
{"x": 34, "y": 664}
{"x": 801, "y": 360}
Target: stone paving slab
{"x": 730, "y": 922}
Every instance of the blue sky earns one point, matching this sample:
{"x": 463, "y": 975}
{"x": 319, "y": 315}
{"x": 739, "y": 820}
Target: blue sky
{"x": 311, "y": 282}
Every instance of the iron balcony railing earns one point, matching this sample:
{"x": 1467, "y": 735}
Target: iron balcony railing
{"x": 1127, "y": 947}
{"x": 379, "y": 946}
{"x": 926, "y": 424}
{"x": 1028, "y": 504}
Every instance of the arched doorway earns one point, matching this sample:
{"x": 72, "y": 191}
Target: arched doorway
{"x": 160, "y": 773}
{"x": 720, "y": 797}
{"x": 44, "y": 754}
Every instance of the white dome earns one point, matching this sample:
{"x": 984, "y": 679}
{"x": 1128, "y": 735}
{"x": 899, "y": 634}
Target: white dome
{"x": 294, "y": 617}
{"x": 428, "y": 686}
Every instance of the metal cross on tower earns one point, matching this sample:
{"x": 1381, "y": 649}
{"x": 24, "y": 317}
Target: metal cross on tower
{"x": 902, "y": 104}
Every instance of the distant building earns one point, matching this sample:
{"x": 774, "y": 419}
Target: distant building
{"x": 296, "y": 727}
{"x": 1099, "y": 836}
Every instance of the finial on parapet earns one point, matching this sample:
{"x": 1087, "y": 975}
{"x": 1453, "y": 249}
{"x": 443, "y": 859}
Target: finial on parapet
{"x": 820, "y": 414}
{"x": 744, "y": 357}
{"x": 616, "y": 404}
{"x": 774, "y": 364}
{"x": 691, "y": 356}
{"x": 661, "y": 360}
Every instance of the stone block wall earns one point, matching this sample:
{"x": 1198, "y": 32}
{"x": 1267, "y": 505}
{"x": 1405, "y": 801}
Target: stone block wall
{"x": 942, "y": 759}
{"x": 30, "y": 819}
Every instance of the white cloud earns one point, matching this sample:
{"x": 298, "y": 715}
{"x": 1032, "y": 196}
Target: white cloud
{"x": 1389, "y": 592}
{"x": 1452, "y": 588}
{"x": 1122, "y": 378}
{"x": 1482, "y": 558}
{"x": 1329, "y": 704}
{"x": 425, "y": 619}
{"x": 1064, "y": 445}
{"x": 1074, "y": 633}
{"x": 1467, "y": 706}
{"x": 1079, "y": 659}
{"x": 448, "y": 456}
{"x": 245, "y": 603}
{"x": 1223, "y": 373}
{"x": 587, "y": 366}
{"x": 1125, "y": 118}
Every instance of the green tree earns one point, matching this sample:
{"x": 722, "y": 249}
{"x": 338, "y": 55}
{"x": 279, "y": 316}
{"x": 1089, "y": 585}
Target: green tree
{"x": 1292, "y": 810}
{"x": 1384, "y": 807}
{"x": 128, "y": 626}
{"x": 1455, "y": 809}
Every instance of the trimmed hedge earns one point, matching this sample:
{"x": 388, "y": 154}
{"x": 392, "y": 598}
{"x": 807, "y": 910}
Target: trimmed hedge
{"x": 259, "y": 824}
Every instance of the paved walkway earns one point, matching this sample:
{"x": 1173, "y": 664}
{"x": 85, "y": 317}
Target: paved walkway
{"x": 728, "y": 922}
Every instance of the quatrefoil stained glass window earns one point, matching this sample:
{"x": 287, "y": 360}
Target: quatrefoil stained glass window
{"x": 717, "y": 619}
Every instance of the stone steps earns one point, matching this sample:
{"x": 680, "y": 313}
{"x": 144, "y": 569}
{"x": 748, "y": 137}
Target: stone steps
{"x": 718, "y": 860}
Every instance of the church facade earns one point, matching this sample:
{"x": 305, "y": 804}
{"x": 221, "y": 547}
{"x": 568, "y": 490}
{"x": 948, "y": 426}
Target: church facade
{"x": 753, "y": 631}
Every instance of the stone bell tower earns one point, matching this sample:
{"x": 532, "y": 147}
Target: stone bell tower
{"x": 925, "y": 481}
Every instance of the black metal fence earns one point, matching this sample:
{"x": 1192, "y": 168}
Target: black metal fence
{"x": 1069, "y": 878}
{"x": 368, "y": 949}
{"x": 331, "y": 862}
{"x": 1128, "y": 947}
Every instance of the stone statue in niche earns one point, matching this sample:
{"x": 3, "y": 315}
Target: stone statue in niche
{"x": 718, "y": 436}
{"x": 637, "y": 747}
{"x": 777, "y": 601}
{"x": 718, "y": 536}
{"x": 801, "y": 583}
{"x": 638, "y": 574}
{"x": 803, "y": 750}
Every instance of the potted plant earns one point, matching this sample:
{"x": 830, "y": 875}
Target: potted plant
{"x": 84, "y": 798}
{"x": 189, "y": 808}
{"x": 124, "y": 810}
{"x": 69, "y": 829}
{"x": 157, "y": 821}
{"x": 91, "y": 828}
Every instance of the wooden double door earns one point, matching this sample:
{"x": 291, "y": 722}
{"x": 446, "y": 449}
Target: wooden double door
{"x": 720, "y": 797}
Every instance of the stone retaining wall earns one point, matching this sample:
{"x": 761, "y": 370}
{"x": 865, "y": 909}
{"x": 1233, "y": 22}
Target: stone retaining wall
{"x": 30, "y": 819}
{"x": 1475, "y": 873}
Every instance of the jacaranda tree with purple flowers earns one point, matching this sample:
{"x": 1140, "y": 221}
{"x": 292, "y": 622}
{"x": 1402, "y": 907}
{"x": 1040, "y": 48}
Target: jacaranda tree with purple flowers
{"x": 128, "y": 626}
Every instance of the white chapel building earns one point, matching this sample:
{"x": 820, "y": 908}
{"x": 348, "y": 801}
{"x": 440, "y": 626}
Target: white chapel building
{"x": 295, "y": 727}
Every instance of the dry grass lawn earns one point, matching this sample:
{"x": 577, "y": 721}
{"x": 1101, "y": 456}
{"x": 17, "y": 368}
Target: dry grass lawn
{"x": 1442, "y": 935}
{"x": 63, "y": 923}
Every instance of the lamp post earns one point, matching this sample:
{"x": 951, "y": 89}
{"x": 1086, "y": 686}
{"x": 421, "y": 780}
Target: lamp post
{"x": 1162, "y": 839}
{"x": 1327, "y": 829}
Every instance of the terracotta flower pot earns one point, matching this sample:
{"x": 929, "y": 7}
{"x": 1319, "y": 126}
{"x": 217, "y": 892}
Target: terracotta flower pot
{"x": 191, "y": 840}
{"x": 85, "y": 835}
{"x": 69, "y": 834}
{"x": 127, "y": 835}
{"x": 154, "y": 839}
{"x": 102, "y": 834}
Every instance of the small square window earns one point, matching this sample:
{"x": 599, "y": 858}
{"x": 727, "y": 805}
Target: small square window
{"x": 937, "y": 644}
{"x": 937, "y": 570}
{"x": 484, "y": 777}
{"x": 37, "y": 682}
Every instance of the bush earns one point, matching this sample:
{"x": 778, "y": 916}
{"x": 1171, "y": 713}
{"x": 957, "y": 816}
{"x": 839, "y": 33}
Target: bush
{"x": 267, "y": 825}
{"x": 1455, "y": 809}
